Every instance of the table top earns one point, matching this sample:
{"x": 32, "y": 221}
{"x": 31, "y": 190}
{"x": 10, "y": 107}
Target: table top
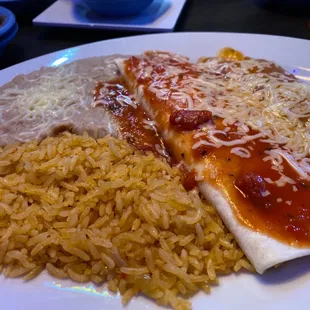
{"x": 198, "y": 15}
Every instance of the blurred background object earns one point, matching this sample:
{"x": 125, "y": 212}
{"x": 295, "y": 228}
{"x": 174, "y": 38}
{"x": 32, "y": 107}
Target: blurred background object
{"x": 274, "y": 17}
{"x": 8, "y": 27}
{"x": 25, "y": 7}
{"x": 132, "y": 15}
{"x": 116, "y": 8}
{"x": 291, "y": 7}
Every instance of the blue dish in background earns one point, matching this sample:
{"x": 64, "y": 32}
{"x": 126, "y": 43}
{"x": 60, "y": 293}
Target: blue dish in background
{"x": 8, "y": 27}
{"x": 116, "y": 8}
{"x": 7, "y": 20}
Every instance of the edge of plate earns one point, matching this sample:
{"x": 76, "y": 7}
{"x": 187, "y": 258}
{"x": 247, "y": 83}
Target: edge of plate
{"x": 36, "y": 62}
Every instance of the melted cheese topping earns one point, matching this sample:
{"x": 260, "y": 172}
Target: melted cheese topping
{"x": 274, "y": 104}
{"x": 251, "y": 95}
{"x": 37, "y": 103}
{"x": 50, "y": 97}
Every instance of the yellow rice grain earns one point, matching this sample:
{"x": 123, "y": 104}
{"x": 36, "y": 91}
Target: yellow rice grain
{"x": 101, "y": 211}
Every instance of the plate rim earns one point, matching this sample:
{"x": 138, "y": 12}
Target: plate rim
{"x": 3, "y": 71}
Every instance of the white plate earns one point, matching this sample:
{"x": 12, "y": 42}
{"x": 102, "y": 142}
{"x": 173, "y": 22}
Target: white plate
{"x": 279, "y": 289}
{"x": 161, "y": 15}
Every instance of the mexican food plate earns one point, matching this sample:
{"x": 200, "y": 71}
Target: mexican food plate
{"x": 157, "y": 171}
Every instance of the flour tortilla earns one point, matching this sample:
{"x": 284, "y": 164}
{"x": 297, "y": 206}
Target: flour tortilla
{"x": 262, "y": 251}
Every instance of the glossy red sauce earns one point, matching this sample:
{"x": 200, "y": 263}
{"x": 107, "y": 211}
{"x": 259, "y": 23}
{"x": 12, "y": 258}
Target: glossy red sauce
{"x": 132, "y": 121}
{"x": 188, "y": 177}
{"x": 283, "y": 214}
{"x": 189, "y": 120}
{"x": 133, "y": 127}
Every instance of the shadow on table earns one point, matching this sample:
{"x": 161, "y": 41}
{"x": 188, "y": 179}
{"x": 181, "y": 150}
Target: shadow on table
{"x": 12, "y": 54}
{"x": 297, "y": 8}
{"x": 157, "y": 9}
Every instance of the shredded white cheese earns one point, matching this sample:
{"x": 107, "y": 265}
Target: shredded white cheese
{"x": 161, "y": 150}
{"x": 268, "y": 180}
{"x": 241, "y": 151}
{"x": 265, "y": 193}
{"x": 52, "y": 96}
{"x": 151, "y": 125}
{"x": 243, "y": 94}
{"x": 36, "y": 103}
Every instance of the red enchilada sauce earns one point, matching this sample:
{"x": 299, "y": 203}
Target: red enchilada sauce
{"x": 282, "y": 212}
{"x": 133, "y": 123}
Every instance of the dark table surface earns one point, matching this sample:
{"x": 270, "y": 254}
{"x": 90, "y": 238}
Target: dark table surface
{"x": 198, "y": 15}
